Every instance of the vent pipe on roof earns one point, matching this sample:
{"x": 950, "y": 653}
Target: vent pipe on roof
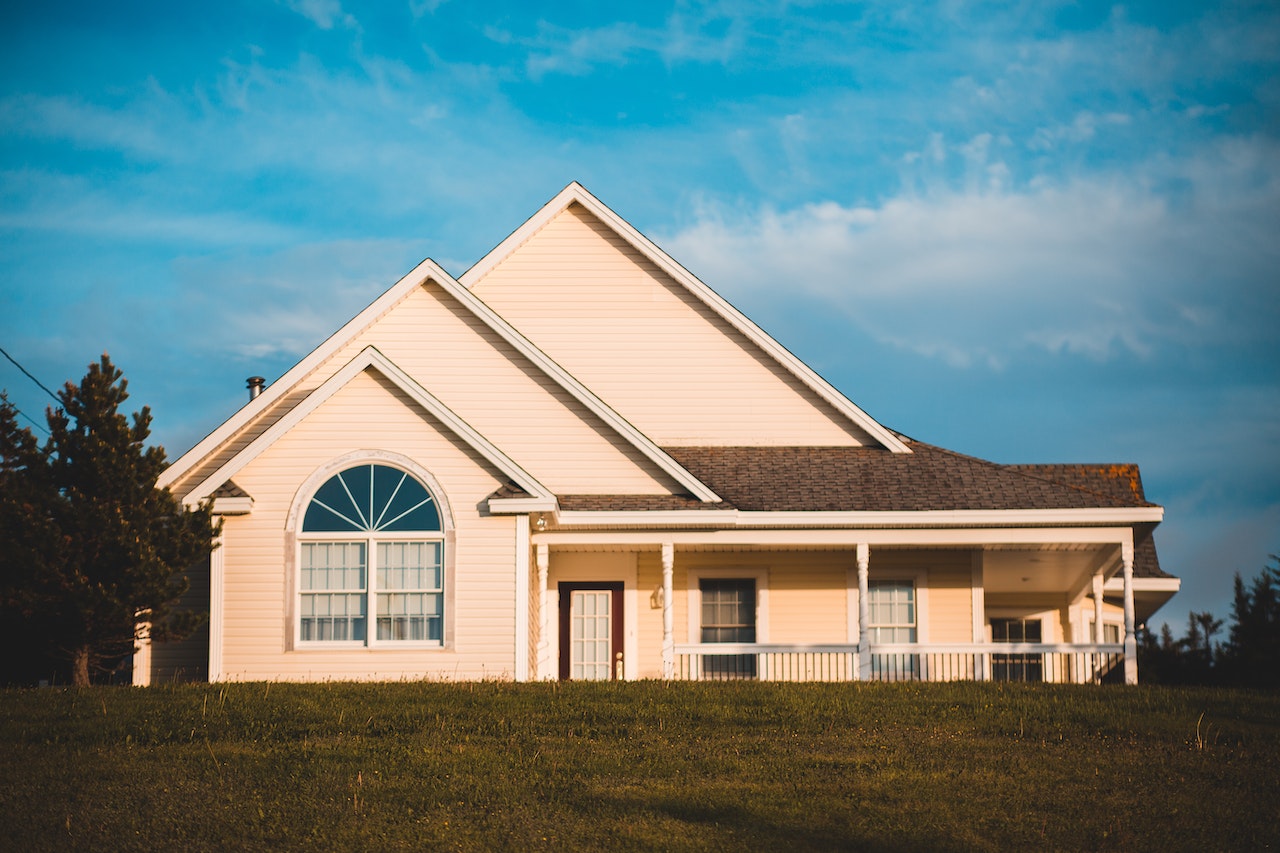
{"x": 255, "y": 384}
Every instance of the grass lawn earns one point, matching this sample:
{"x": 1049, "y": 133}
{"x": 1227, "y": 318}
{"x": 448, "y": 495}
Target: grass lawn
{"x": 646, "y": 766}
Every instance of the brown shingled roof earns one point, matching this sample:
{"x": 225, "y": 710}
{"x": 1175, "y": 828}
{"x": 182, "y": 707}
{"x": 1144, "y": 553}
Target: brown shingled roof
{"x": 229, "y": 489}
{"x": 869, "y": 479}
{"x": 1118, "y": 480}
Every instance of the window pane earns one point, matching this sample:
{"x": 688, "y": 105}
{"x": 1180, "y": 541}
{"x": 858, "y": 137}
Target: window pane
{"x": 371, "y": 497}
{"x": 728, "y": 616}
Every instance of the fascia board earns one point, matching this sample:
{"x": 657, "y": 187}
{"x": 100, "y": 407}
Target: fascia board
{"x": 967, "y": 537}
{"x": 427, "y": 269}
{"x": 927, "y": 518}
{"x": 518, "y": 506}
{"x": 575, "y": 192}
{"x": 1115, "y": 584}
{"x": 370, "y": 357}
{"x": 232, "y": 506}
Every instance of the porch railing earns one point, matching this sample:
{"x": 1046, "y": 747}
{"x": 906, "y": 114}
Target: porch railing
{"x": 1049, "y": 662}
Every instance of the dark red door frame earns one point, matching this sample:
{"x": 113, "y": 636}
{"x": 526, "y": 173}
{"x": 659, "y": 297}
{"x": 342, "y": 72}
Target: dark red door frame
{"x": 567, "y": 588}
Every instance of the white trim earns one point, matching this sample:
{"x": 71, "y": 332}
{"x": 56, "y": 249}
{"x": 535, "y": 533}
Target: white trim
{"x": 919, "y": 578}
{"x": 233, "y": 506}
{"x": 294, "y": 537}
{"x": 547, "y": 671}
{"x": 575, "y": 192}
{"x": 428, "y": 270}
{"x": 419, "y": 275}
{"x": 959, "y": 536}
{"x": 920, "y": 518}
{"x": 625, "y": 571}
{"x": 521, "y": 506}
{"x": 1115, "y": 584}
{"x": 367, "y": 358}
{"x": 693, "y": 593}
{"x": 217, "y": 605}
{"x": 522, "y": 580}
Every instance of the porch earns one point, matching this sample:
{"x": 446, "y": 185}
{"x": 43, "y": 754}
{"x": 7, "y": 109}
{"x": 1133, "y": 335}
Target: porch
{"x": 1059, "y": 663}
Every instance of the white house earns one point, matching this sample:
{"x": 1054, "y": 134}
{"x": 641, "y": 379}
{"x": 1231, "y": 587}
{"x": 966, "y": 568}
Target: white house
{"x": 578, "y": 461}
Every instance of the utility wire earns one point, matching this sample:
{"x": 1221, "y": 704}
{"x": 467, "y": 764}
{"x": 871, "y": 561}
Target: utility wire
{"x": 33, "y": 420}
{"x": 32, "y": 378}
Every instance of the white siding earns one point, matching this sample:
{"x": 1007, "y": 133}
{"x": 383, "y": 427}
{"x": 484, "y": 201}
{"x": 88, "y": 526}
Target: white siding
{"x": 368, "y": 414}
{"x": 650, "y": 350}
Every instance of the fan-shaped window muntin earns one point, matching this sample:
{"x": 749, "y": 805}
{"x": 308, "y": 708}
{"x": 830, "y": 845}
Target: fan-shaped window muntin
{"x": 371, "y": 498}
{"x": 371, "y": 542}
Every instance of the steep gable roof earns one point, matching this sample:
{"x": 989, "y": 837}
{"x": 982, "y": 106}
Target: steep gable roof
{"x": 532, "y": 494}
{"x": 426, "y": 271}
{"x": 576, "y": 194}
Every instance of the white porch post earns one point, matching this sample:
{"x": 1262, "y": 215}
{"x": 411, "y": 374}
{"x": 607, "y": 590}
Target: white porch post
{"x": 1130, "y": 635}
{"x": 668, "y": 611}
{"x": 1097, "y": 608}
{"x": 864, "y": 615}
{"x": 543, "y": 558}
{"x": 523, "y": 633}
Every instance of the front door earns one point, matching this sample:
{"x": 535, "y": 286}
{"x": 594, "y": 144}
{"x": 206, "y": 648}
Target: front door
{"x": 590, "y": 631}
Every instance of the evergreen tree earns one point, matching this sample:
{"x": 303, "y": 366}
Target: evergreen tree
{"x": 91, "y": 547}
{"x": 1252, "y": 653}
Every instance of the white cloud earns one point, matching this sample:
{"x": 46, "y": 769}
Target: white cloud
{"x": 977, "y": 275}
{"x": 323, "y": 13}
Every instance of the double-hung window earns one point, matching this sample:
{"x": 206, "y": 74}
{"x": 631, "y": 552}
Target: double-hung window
{"x": 892, "y": 611}
{"x": 371, "y": 548}
{"x": 728, "y": 616}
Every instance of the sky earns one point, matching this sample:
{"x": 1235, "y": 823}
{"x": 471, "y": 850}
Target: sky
{"x": 1030, "y": 232}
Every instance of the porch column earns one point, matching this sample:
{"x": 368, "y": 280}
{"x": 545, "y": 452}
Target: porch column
{"x": 864, "y": 615}
{"x": 1130, "y": 636}
{"x": 1097, "y": 608}
{"x": 668, "y": 612}
{"x": 543, "y": 557}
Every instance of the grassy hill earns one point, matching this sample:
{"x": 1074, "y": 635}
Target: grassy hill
{"x": 645, "y": 766}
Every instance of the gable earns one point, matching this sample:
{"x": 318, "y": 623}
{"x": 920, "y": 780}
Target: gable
{"x": 450, "y": 342}
{"x": 658, "y": 345}
{"x": 659, "y": 357}
{"x": 369, "y": 412}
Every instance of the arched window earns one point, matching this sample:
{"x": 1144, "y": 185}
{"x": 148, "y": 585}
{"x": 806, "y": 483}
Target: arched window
{"x": 371, "y": 542}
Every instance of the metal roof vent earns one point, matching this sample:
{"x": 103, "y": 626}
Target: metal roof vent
{"x": 255, "y": 384}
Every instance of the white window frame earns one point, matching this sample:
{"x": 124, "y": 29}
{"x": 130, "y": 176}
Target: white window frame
{"x": 918, "y": 578}
{"x": 295, "y": 538}
{"x": 694, "y": 598}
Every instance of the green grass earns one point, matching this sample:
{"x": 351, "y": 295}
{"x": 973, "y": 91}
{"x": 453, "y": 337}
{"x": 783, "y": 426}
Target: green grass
{"x": 646, "y": 766}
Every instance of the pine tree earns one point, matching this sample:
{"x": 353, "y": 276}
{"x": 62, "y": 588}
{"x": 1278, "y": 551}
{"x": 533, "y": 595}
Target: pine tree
{"x": 92, "y": 548}
{"x": 1252, "y": 653}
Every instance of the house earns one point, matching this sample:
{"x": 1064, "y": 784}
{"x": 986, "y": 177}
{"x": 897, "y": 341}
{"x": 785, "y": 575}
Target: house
{"x": 578, "y": 461}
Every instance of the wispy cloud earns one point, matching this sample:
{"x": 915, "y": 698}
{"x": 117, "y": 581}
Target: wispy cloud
{"x": 1091, "y": 266}
{"x": 325, "y": 14}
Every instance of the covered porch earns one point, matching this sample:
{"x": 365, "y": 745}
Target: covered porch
{"x": 1015, "y": 604}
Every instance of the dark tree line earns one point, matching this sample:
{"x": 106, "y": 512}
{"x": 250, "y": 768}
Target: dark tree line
{"x": 1248, "y": 655}
{"x": 90, "y": 549}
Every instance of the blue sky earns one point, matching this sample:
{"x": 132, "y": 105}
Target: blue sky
{"x": 1031, "y": 232}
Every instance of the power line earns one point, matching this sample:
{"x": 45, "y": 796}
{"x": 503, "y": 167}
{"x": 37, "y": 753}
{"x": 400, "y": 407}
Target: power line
{"x": 38, "y": 425}
{"x": 32, "y": 378}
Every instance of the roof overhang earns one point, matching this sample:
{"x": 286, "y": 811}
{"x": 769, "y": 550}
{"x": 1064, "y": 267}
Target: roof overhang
{"x": 425, "y": 272}
{"x": 371, "y": 358}
{"x": 733, "y": 518}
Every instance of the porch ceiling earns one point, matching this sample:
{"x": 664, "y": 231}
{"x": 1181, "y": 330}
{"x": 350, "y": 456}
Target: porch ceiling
{"x": 1042, "y": 569}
